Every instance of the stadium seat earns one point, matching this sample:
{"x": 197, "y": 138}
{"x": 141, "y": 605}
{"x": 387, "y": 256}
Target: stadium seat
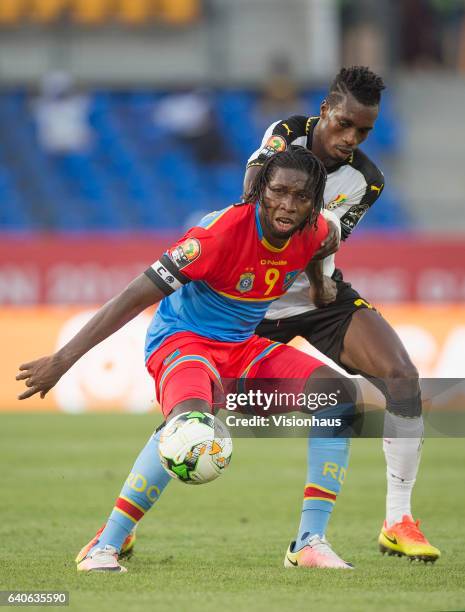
{"x": 11, "y": 12}
{"x": 46, "y": 11}
{"x": 226, "y": 183}
{"x": 135, "y": 12}
{"x": 137, "y": 176}
{"x": 179, "y": 12}
{"x": 13, "y": 214}
{"x": 313, "y": 99}
{"x": 91, "y": 12}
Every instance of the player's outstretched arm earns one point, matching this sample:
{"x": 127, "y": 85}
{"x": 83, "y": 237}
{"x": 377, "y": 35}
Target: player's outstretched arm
{"x": 43, "y": 374}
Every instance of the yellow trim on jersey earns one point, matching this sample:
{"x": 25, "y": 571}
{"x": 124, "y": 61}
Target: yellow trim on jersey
{"x": 218, "y": 218}
{"x": 244, "y": 299}
{"x": 272, "y": 248}
{"x": 309, "y": 123}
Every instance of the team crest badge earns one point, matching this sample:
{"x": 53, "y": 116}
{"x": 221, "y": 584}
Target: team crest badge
{"x": 277, "y": 143}
{"x": 340, "y": 199}
{"x": 186, "y": 252}
{"x": 274, "y": 144}
{"x": 290, "y": 278}
{"x": 245, "y": 282}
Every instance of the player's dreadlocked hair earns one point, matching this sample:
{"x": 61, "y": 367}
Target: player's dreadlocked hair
{"x": 361, "y": 82}
{"x": 296, "y": 158}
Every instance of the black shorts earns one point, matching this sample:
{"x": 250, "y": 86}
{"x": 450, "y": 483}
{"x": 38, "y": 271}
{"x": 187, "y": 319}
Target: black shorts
{"x": 324, "y": 328}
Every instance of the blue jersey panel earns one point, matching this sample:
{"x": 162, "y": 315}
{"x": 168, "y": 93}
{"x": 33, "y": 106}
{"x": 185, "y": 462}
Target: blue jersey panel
{"x": 208, "y": 220}
{"x": 197, "y": 308}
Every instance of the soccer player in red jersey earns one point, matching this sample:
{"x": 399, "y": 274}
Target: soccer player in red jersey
{"x": 215, "y": 289}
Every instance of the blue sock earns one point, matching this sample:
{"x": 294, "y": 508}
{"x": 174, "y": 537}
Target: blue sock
{"x": 327, "y": 464}
{"x": 141, "y": 490}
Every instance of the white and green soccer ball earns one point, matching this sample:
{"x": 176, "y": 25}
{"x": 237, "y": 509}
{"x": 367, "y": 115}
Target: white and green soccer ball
{"x": 195, "y": 447}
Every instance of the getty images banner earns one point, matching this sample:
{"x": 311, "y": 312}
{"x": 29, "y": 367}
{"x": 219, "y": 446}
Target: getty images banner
{"x": 339, "y": 407}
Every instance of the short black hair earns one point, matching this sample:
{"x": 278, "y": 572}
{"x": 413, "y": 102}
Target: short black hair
{"x": 296, "y": 158}
{"x": 361, "y": 82}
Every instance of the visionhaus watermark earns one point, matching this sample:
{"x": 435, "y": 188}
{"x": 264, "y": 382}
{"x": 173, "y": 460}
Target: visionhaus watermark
{"x": 293, "y": 421}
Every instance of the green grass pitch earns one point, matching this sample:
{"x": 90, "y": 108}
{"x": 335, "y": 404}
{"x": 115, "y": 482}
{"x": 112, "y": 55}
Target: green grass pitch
{"x": 219, "y": 546}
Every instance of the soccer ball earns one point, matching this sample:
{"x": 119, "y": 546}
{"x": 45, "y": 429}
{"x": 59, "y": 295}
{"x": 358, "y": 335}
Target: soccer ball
{"x": 195, "y": 447}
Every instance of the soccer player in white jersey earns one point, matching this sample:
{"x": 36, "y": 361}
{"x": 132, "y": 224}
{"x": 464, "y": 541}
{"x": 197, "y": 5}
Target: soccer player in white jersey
{"x": 349, "y": 330}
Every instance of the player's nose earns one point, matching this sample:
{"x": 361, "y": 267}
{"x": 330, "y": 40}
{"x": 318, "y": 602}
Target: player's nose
{"x": 350, "y": 139}
{"x": 288, "y": 203}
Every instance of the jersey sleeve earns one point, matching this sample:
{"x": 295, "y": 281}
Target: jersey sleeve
{"x": 193, "y": 257}
{"x": 278, "y": 137}
{"x": 360, "y": 202}
{"x": 316, "y": 236}
{"x": 322, "y": 231}
{"x": 330, "y": 216}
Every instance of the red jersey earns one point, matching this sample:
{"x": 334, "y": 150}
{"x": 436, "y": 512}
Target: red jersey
{"x": 223, "y": 274}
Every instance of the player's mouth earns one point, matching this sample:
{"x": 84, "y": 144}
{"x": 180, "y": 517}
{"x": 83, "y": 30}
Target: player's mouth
{"x": 344, "y": 151}
{"x": 284, "y": 224}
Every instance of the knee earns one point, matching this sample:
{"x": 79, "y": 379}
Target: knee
{"x": 400, "y": 378}
{"x": 402, "y": 390}
{"x": 399, "y": 368}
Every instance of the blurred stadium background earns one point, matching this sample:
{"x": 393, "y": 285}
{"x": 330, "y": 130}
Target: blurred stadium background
{"x": 122, "y": 121}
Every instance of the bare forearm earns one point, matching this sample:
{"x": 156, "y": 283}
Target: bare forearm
{"x": 314, "y": 272}
{"x": 323, "y": 290}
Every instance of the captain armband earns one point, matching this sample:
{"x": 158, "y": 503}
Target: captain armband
{"x": 166, "y": 276}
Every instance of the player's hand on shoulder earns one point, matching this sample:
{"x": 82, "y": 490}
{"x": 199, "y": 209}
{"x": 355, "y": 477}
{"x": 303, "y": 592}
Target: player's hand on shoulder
{"x": 331, "y": 243}
{"x": 40, "y": 375}
{"x": 324, "y": 293}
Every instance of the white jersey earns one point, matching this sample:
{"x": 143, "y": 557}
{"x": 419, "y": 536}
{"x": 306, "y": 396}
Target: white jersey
{"x": 351, "y": 188}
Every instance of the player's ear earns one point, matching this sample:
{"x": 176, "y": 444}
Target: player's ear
{"x": 324, "y": 108}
